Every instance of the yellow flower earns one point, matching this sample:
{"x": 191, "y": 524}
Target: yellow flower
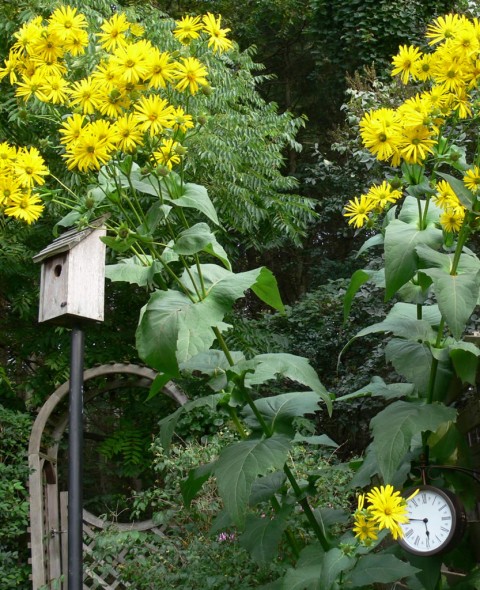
{"x": 187, "y": 28}
{"x": 27, "y": 35}
{"x": 54, "y": 89}
{"x": 128, "y": 136}
{"x": 388, "y": 509}
{"x": 89, "y": 152}
{"x": 442, "y": 28}
{"x": 114, "y": 30}
{"x": 71, "y": 129}
{"x": 160, "y": 69}
{"x": 30, "y": 167}
{"x": 415, "y": 144}
{"x": 472, "y": 179}
{"x": 76, "y": 43}
{"x": 130, "y": 62}
{"x": 153, "y": 114}
{"x": 181, "y": 120}
{"x": 383, "y": 194}
{"x": 26, "y": 207}
{"x": 445, "y": 197}
{"x": 30, "y": 87}
{"x": 218, "y": 36}
{"x": 112, "y": 102}
{"x": 405, "y": 62}
{"x": 190, "y": 74}
{"x": 380, "y": 132}
{"x": 358, "y": 210}
{"x": 10, "y": 188}
{"x": 365, "y": 528}
{"x": 47, "y": 47}
{"x": 8, "y": 155}
{"x": 167, "y": 154}
{"x": 85, "y": 94}
{"x": 451, "y": 220}
{"x": 66, "y": 22}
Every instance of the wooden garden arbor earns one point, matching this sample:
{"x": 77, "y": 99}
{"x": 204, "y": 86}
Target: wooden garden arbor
{"x": 48, "y": 502}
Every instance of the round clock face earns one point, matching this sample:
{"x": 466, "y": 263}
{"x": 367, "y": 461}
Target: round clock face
{"x": 436, "y": 521}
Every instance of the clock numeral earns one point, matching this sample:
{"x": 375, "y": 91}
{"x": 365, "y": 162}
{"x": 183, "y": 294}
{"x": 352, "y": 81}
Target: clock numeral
{"x": 424, "y": 498}
{"x": 446, "y": 518}
{"x": 417, "y": 540}
{"x": 442, "y": 507}
{"x": 409, "y": 533}
{"x": 442, "y": 528}
{"x": 414, "y": 502}
{"x": 427, "y": 543}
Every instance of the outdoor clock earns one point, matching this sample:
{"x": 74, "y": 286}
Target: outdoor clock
{"x": 437, "y": 521}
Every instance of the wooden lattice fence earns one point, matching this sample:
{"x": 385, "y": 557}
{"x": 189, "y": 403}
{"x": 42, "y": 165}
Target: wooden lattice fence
{"x": 49, "y": 503}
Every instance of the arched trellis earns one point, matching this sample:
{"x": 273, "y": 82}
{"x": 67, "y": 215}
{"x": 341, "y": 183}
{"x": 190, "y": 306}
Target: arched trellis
{"x": 48, "y": 504}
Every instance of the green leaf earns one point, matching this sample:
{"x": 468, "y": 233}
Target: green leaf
{"x": 134, "y": 271}
{"x": 378, "y": 388}
{"x": 321, "y": 439}
{"x": 466, "y": 197}
{"x": 173, "y": 329}
{"x": 194, "y": 482}
{"x": 279, "y": 411}
{"x": 410, "y": 211}
{"x": 262, "y": 537}
{"x": 158, "y": 330}
{"x": 376, "y": 240}
{"x": 266, "y": 289}
{"x": 401, "y": 261}
{"x": 457, "y": 297}
{"x": 334, "y": 563}
{"x": 359, "y": 278}
{"x": 263, "y": 488}
{"x": 306, "y": 576}
{"x": 241, "y": 463}
{"x": 464, "y": 356}
{"x": 395, "y": 426}
{"x": 199, "y": 238}
{"x": 379, "y": 569}
{"x": 157, "y": 385}
{"x": 196, "y": 197}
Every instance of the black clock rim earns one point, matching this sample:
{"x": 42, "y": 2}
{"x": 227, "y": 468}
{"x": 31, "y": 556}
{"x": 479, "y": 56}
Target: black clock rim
{"x": 458, "y": 520}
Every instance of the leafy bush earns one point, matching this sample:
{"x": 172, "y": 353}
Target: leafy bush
{"x": 14, "y": 506}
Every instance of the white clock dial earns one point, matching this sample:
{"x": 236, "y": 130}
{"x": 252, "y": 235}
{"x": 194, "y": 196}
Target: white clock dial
{"x": 434, "y": 522}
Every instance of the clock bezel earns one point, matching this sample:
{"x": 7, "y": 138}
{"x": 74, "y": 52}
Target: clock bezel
{"x": 459, "y": 520}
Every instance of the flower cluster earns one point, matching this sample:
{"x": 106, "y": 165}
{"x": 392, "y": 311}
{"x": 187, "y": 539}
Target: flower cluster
{"x": 445, "y": 77}
{"x": 124, "y": 103}
{"x": 386, "y": 509}
{"x": 21, "y": 171}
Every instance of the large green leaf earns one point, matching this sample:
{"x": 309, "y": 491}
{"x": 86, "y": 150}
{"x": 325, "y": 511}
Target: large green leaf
{"x": 409, "y": 212}
{"x": 359, "y": 278}
{"x": 456, "y": 295}
{"x": 395, "y": 426}
{"x": 412, "y": 360}
{"x": 241, "y": 463}
{"x": 173, "y": 329}
{"x": 195, "y": 196}
{"x": 194, "y": 482}
{"x": 376, "y": 240}
{"x": 272, "y": 365}
{"x": 464, "y": 356}
{"x": 263, "y": 488}
{"x": 378, "y": 388}
{"x": 159, "y": 327}
{"x": 199, "y": 238}
{"x": 279, "y": 411}
{"x": 334, "y": 563}
{"x": 262, "y": 536}
{"x": 306, "y": 576}
{"x": 378, "y": 569}
{"x": 134, "y": 271}
{"x": 401, "y": 260}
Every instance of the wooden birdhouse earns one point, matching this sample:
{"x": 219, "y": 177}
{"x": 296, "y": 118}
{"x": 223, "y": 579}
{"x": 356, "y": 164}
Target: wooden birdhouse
{"x": 72, "y": 282}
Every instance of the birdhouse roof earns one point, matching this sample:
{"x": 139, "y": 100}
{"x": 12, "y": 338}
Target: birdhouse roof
{"x": 68, "y": 240}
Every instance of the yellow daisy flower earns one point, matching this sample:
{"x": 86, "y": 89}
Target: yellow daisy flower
{"x": 30, "y": 167}
{"x": 358, "y": 210}
{"x": 472, "y": 179}
{"x": 85, "y": 95}
{"x": 388, "y": 509}
{"x": 26, "y": 207}
{"x": 167, "y": 154}
{"x": 405, "y": 62}
{"x": 187, "y": 28}
{"x": 154, "y": 114}
{"x": 190, "y": 74}
{"x": 218, "y": 36}
{"x": 114, "y": 29}
{"x": 451, "y": 220}
{"x": 128, "y": 136}
{"x": 442, "y": 28}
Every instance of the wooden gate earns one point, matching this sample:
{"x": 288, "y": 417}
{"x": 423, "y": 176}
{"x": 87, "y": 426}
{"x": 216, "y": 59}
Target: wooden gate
{"x": 48, "y": 502}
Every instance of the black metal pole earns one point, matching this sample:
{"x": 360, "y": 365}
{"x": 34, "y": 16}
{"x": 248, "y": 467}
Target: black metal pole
{"x": 75, "y": 463}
